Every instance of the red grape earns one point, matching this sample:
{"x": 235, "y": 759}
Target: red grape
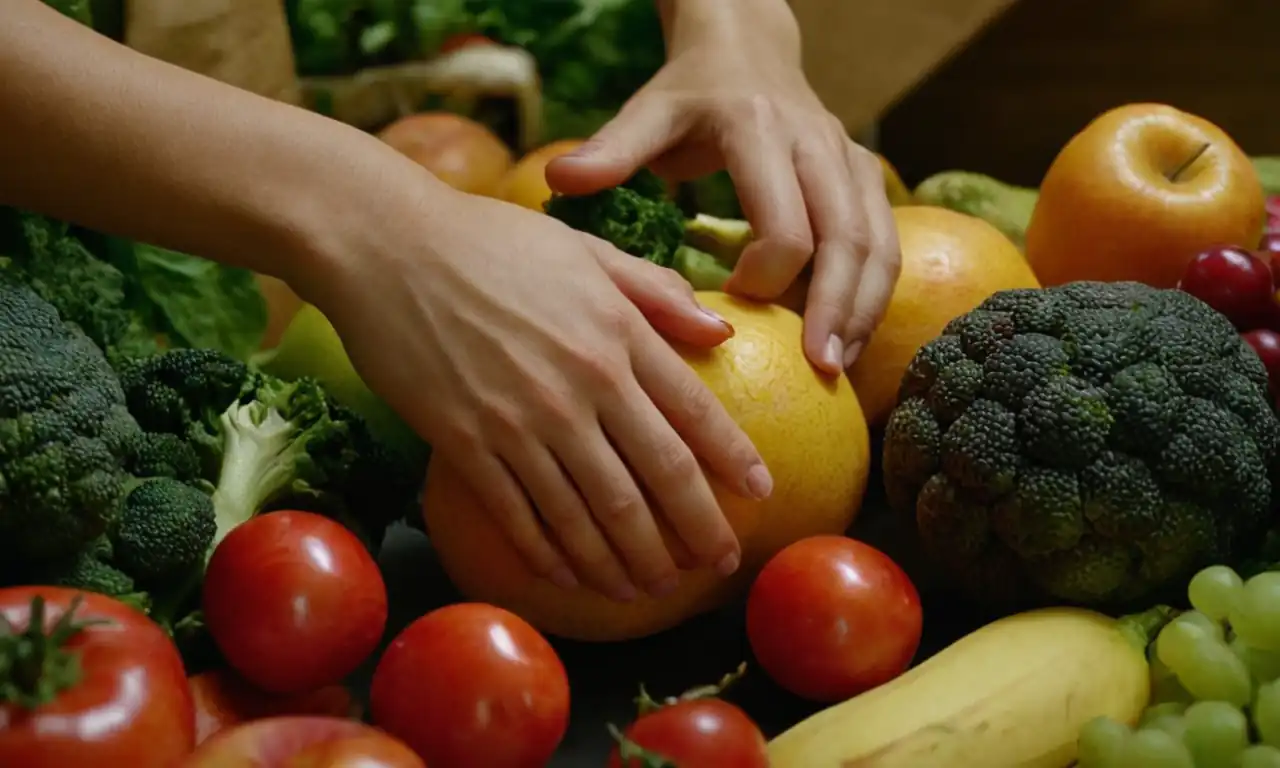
{"x": 1270, "y": 245}
{"x": 1267, "y": 344}
{"x": 1233, "y": 281}
{"x": 1273, "y": 213}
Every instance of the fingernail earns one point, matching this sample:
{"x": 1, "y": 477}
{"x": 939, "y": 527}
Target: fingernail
{"x": 833, "y": 356}
{"x": 664, "y": 587}
{"x": 728, "y": 564}
{"x": 583, "y": 150}
{"x": 851, "y": 353}
{"x": 563, "y": 577}
{"x": 625, "y": 593}
{"x": 718, "y": 319}
{"x": 759, "y": 482}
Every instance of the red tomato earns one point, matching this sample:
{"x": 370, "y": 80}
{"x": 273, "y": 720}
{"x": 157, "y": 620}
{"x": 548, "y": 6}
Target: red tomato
{"x": 294, "y": 601}
{"x": 829, "y": 617}
{"x": 302, "y": 742}
{"x": 698, "y": 733}
{"x": 128, "y": 706}
{"x": 222, "y": 699}
{"x": 472, "y": 685}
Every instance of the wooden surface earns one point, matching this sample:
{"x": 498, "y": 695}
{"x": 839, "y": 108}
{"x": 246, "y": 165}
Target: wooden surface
{"x": 1006, "y": 104}
{"x": 862, "y": 55}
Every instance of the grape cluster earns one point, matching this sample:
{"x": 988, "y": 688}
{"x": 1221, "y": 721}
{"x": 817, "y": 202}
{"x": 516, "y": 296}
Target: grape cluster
{"x": 1215, "y": 684}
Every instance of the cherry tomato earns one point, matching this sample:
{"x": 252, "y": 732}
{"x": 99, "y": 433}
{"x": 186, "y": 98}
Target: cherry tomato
{"x": 223, "y": 699}
{"x": 302, "y": 742}
{"x": 127, "y": 704}
{"x": 698, "y": 733}
{"x": 472, "y": 685}
{"x": 294, "y": 601}
{"x": 829, "y": 617}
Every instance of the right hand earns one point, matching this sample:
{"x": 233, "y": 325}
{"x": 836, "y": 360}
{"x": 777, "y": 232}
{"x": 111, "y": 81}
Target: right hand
{"x": 528, "y": 355}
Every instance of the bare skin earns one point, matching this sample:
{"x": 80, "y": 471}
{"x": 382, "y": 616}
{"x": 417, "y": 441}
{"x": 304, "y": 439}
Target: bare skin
{"x": 532, "y": 357}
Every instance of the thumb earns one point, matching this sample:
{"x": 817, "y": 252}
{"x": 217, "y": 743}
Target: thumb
{"x": 642, "y": 131}
{"x": 664, "y": 298}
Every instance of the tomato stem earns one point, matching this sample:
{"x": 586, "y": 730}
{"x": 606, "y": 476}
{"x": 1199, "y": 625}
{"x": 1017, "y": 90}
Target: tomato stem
{"x": 647, "y": 704}
{"x": 34, "y": 664}
{"x": 629, "y": 752}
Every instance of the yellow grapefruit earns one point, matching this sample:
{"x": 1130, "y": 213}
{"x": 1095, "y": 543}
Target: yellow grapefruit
{"x": 950, "y": 263}
{"x": 808, "y": 427}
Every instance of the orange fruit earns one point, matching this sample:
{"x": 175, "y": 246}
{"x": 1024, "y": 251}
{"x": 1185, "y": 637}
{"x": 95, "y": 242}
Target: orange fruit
{"x": 526, "y": 183}
{"x": 460, "y": 152}
{"x": 951, "y": 262}
{"x": 807, "y": 426}
{"x": 894, "y": 186}
{"x": 1137, "y": 194}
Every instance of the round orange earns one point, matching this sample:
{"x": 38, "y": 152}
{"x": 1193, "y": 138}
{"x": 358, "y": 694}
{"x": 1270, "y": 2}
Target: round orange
{"x": 526, "y": 183}
{"x": 951, "y": 262}
{"x": 1137, "y": 194}
{"x": 460, "y": 152}
{"x": 808, "y": 428}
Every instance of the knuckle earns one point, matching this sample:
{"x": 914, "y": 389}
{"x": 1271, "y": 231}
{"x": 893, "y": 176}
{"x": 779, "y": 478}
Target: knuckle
{"x": 678, "y": 464}
{"x": 697, "y": 402}
{"x": 754, "y": 108}
{"x": 601, "y": 373}
{"x": 502, "y": 421}
{"x": 794, "y": 243}
{"x": 556, "y": 408}
{"x": 619, "y": 508}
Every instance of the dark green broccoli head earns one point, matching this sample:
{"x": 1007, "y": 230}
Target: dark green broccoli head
{"x": 165, "y": 530}
{"x": 64, "y": 433}
{"x": 1088, "y": 443}
{"x": 84, "y": 289}
{"x": 637, "y": 218}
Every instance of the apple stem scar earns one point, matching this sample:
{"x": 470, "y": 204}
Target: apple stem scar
{"x": 1187, "y": 164}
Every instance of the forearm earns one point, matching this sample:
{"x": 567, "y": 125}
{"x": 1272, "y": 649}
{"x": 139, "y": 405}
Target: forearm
{"x": 696, "y": 23}
{"x": 103, "y": 136}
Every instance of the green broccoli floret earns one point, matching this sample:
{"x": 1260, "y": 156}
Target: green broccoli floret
{"x": 640, "y": 219}
{"x": 1090, "y": 443}
{"x": 160, "y": 454}
{"x": 263, "y": 440}
{"x": 164, "y": 532}
{"x": 85, "y": 290}
{"x": 64, "y": 434}
{"x": 637, "y": 218}
{"x": 91, "y": 570}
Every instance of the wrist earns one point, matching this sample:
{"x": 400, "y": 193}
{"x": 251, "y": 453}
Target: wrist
{"x": 344, "y": 222}
{"x": 738, "y": 26}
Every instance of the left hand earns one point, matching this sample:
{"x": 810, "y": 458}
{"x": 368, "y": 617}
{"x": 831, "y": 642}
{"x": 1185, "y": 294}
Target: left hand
{"x": 736, "y": 98}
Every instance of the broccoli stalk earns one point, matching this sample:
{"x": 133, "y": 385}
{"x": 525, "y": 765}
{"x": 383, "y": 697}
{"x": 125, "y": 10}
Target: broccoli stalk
{"x": 265, "y": 453}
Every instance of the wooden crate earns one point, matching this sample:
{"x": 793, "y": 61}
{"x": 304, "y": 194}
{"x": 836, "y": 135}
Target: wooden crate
{"x": 1039, "y": 73}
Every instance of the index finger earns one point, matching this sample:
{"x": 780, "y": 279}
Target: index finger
{"x": 763, "y": 172}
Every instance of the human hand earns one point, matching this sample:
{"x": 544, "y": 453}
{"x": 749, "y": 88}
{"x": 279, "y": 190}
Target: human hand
{"x": 732, "y": 95}
{"x": 503, "y": 338}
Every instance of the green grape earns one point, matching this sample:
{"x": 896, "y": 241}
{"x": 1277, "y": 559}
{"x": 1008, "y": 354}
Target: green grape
{"x": 1170, "y": 724}
{"x": 1214, "y": 673}
{"x": 1159, "y": 670}
{"x": 1260, "y": 756}
{"x": 1149, "y": 748}
{"x": 1177, "y": 642}
{"x": 1266, "y": 713}
{"x": 1255, "y": 616}
{"x": 1263, "y": 666}
{"x": 1169, "y": 690}
{"x": 1161, "y": 709}
{"x": 1215, "y": 732}
{"x": 1213, "y": 591}
{"x": 1100, "y": 743}
{"x": 1212, "y": 628}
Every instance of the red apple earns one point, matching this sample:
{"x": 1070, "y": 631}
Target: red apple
{"x": 289, "y": 742}
{"x": 1233, "y": 281}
